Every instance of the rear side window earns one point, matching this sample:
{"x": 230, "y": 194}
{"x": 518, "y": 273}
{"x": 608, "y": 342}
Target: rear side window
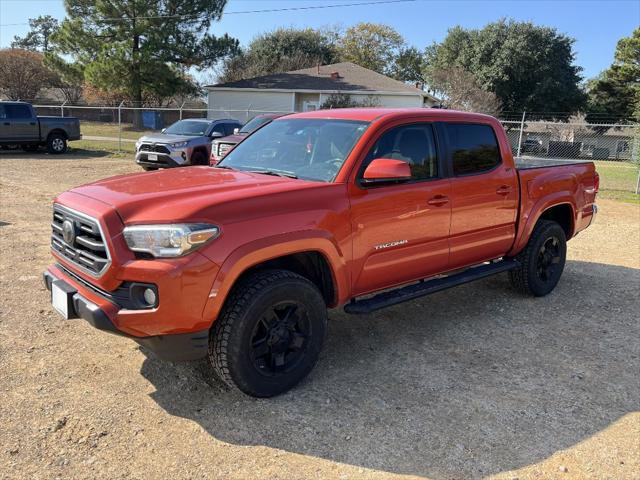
{"x": 413, "y": 144}
{"x": 17, "y": 111}
{"x": 474, "y": 148}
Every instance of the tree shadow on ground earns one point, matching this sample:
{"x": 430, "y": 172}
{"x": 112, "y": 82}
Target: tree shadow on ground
{"x": 465, "y": 383}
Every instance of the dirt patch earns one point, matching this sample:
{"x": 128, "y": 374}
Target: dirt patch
{"x": 469, "y": 383}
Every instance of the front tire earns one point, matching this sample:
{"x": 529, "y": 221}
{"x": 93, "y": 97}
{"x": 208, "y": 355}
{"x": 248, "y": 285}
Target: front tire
{"x": 269, "y": 334}
{"x": 199, "y": 158}
{"x": 542, "y": 260}
{"x": 56, "y": 143}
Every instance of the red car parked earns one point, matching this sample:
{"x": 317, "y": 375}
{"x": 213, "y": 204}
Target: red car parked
{"x": 361, "y": 208}
{"x": 221, "y": 146}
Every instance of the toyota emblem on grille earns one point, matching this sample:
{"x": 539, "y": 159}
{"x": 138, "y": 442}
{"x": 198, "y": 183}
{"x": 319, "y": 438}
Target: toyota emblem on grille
{"x": 68, "y": 232}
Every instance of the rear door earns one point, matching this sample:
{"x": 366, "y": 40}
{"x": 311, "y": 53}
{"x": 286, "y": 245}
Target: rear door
{"x": 401, "y": 229}
{"x": 19, "y": 123}
{"x": 484, "y": 195}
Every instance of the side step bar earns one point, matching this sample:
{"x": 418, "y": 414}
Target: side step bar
{"x": 426, "y": 287}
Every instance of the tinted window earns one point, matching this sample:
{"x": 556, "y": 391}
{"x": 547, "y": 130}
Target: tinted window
{"x": 17, "y": 111}
{"x": 413, "y": 144}
{"x": 218, "y": 128}
{"x": 187, "y": 127}
{"x": 230, "y": 127}
{"x": 474, "y": 148}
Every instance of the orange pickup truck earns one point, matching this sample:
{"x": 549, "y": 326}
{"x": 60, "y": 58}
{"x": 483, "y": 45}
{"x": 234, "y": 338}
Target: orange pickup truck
{"x": 361, "y": 208}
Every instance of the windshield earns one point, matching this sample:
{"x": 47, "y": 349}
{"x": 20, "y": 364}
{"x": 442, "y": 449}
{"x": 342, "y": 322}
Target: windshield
{"x": 254, "y": 124}
{"x": 188, "y": 127}
{"x": 312, "y": 149}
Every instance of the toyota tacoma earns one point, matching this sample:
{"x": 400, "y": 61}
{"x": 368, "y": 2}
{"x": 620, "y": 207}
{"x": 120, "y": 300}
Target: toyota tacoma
{"x": 360, "y": 208}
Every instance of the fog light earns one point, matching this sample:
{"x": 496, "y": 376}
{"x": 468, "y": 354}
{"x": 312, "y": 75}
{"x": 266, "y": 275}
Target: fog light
{"x": 149, "y": 296}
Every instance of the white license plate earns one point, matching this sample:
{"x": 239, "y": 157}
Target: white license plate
{"x": 59, "y": 300}
{"x": 153, "y": 157}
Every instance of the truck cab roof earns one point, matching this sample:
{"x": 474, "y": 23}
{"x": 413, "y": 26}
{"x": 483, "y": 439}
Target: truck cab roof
{"x": 373, "y": 114}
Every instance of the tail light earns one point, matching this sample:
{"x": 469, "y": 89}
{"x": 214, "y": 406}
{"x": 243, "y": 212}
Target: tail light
{"x": 596, "y": 182}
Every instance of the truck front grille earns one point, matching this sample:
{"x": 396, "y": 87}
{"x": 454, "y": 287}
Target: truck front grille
{"x": 149, "y": 147}
{"x": 78, "y": 238}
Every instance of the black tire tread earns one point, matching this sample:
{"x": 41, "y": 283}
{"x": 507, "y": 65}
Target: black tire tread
{"x": 519, "y": 277}
{"x": 240, "y": 296}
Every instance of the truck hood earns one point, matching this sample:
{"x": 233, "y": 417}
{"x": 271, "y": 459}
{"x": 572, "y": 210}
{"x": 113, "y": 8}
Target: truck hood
{"x": 185, "y": 194}
{"x": 166, "y": 138}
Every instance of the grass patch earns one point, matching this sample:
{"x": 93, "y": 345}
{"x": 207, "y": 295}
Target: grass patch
{"x": 112, "y": 130}
{"x": 627, "y": 197}
{"x": 617, "y": 175}
{"x": 102, "y": 149}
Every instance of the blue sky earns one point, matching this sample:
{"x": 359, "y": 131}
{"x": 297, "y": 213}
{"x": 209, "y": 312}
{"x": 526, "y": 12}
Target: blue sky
{"x": 596, "y": 25}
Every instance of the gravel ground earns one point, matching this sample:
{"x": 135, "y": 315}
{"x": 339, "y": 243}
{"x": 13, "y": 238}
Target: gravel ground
{"x": 475, "y": 382}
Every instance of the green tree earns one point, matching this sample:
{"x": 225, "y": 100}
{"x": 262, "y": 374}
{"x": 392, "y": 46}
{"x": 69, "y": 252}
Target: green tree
{"x": 142, "y": 48}
{"x": 39, "y": 37}
{"x": 279, "y": 51}
{"x": 373, "y": 46}
{"x": 409, "y": 66}
{"x": 614, "y": 96}
{"x": 526, "y": 66}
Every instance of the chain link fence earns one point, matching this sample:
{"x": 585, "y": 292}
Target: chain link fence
{"x": 614, "y": 147}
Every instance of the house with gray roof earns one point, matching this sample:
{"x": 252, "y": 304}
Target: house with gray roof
{"x": 307, "y": 89}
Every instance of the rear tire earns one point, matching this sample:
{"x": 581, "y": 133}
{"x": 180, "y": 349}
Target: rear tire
{"x": 542, "y": 260}
{"x": 269, "y": 334}
{"x": 56, "y": 143}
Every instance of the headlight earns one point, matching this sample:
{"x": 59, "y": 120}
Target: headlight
{"x": 138, "y": 143}
{"x": 179, "y": 144}
{"x": 164, "y": 241}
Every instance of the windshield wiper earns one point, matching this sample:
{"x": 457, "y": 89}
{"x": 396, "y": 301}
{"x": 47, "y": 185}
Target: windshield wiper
{"x": 275, "y": 173}
{"x": 226, "y": 167}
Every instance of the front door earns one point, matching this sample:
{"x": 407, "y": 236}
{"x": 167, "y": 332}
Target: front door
{"x": 401, "y": 230}
{"x": 19, "y": 123}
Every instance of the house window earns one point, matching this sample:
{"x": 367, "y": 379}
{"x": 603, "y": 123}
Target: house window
{"x": 309, "y": 106}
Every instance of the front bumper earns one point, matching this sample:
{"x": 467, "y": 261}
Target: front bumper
{"x": 98, "y": 312}
{"x": 163, "y": 160}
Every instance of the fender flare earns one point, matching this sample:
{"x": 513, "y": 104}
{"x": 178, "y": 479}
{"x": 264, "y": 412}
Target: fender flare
{"x": 536, "y": 211}
{"x": 258, "y": 251}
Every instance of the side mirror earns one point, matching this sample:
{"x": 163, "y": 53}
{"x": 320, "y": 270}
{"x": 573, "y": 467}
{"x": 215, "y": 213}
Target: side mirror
{"x": 236, "y": 130}
{"x": 163, "y": 130}
{"x": 217, "y": 134}
{"x": 386, "y": 170}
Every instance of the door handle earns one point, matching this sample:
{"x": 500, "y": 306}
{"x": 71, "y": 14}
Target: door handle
{"x": 438, "y": 200}
{"x": 7, "y": 123}
{"x": 32, "y": 123}
{"x": 504, "y": 190}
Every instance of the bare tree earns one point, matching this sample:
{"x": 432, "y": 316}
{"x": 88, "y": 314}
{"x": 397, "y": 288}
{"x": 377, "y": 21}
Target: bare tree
{"x": 461, "y": 91}
{"x": 23, "y": 74}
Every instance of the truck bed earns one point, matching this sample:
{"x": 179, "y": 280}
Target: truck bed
{"x": 524, "y": 163}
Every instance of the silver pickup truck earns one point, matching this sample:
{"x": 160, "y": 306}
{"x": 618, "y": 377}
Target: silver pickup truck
{"x": 19, "y": 125}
